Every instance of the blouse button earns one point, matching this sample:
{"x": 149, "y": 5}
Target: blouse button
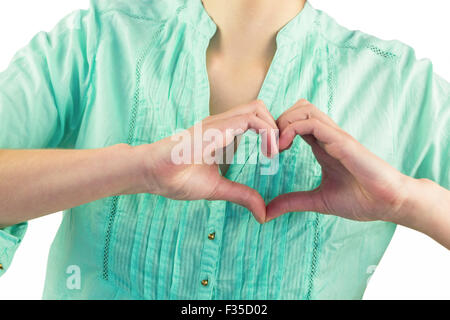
{"x": 1, "y": 266}
{"x": 212, "y": 236}
{"x": 204, "y": 282}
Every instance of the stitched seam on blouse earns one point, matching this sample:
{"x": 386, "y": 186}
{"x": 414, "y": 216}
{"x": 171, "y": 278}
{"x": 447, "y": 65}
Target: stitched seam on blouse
{"x": 92, "y": 73}
{"x": 316, "y": 240}
{"x": 138, "y": 17}
{"x": 395, "y": 106}
{"x": 366, "y": 43}
{"x": 131, "y": 134}
{"x": 314, "y": 256}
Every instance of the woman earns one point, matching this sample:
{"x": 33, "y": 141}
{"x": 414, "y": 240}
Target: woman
{"x": 91, "y": 116}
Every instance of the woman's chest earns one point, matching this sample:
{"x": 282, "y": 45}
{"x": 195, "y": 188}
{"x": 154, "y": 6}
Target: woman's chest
{"x": 233, "y": 84}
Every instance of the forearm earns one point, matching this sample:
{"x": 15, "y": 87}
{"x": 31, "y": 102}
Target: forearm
{"x": 34, "y": 183}
{"x": 427, "y": 210}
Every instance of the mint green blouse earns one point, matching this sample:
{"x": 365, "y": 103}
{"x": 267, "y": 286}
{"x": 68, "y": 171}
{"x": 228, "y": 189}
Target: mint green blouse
{"x": 134, "y": 72}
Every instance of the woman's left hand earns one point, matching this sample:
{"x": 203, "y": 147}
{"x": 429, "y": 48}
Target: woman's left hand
{"x": 356, "y": 184}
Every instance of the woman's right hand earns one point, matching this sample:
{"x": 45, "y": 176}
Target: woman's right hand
{"x": 185, "y": 166}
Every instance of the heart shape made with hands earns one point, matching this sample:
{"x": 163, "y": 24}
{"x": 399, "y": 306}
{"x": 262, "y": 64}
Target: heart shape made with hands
{"x": 305, "y": 120}
{"x": 355, "y": 184}
{"x": 188, "y": 170}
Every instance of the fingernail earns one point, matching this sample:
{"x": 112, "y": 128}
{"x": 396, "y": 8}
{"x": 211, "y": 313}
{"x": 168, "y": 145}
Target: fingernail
{"x": 259, "y": 219}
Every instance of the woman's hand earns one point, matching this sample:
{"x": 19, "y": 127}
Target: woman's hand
{"x": 356, "y": 184}
{"x": 185, "y": 166}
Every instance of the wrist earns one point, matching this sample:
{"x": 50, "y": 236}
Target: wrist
{"x": 131, "y": 168}
{"x": 143, "y": 169}
{"x": 424, "y": 206}
{"x": 411, "y": 205}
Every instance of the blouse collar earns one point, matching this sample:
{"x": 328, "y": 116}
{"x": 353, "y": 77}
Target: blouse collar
{"x": 195, "y": 14}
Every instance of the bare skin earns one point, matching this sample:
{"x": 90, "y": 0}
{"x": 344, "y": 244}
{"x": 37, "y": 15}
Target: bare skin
{"x": 34, "y": 183}
{"x": 240, "y": 53}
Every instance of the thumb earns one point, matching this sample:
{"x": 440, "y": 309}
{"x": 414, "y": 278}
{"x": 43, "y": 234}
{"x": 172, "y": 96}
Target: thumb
{"x": 295, "y": 202}
{"x": 243, "y": 195}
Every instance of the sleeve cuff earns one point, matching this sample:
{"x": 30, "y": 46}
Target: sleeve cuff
{"x": 10, "y": 239}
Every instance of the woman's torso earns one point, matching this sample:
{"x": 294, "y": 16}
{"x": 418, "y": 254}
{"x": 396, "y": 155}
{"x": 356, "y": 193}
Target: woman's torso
{"x": 150, "y": 80}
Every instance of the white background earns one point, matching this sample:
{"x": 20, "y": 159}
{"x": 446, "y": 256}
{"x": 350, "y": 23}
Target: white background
{"x": 414, "y": 266}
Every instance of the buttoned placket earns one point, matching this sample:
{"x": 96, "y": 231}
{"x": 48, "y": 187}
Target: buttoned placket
{"x": 212, "y": 237}
{"x": 211, "y": 249}
{"x": 212, "y": 243}
{"x": 217, "y": 209}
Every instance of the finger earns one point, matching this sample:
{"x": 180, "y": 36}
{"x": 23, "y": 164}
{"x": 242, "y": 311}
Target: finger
{"x": 324, "y": 133}
{"x": 239, "y": 124}
{"x": 257, "y": 107}
{"x": 318, "y": 150}
{"x": 285, "y": 119}
{"x": 303, "y": 110}
{"x": 358, "y": 160}
{"x": 295, "y": 202}
{"x": 242, "y": 195}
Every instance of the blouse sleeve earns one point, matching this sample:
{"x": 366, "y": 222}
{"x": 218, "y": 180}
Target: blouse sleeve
{"x": 10, "y": 239}
{"x": 42, "y": 97}
{"x": 422, "y": 121}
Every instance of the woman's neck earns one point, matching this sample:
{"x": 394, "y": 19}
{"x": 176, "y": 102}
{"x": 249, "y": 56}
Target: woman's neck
{"x": 248, "y": 28}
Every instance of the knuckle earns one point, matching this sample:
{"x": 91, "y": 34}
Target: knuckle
{"x": 261, "y": 106}
{"x": 259, "y": 110}
{"x": 260, "y": 103}
{"x": 309, "y": 108}
{"x": 208, "y": 119}
{"x": 258, "y": 107}
{"x": 315, "y": 122}
{"x": 302, "y": 102}
{"x": 290, "y": 127}
{"x": 283, "y": 123}
{"x": 250, "y": 115}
